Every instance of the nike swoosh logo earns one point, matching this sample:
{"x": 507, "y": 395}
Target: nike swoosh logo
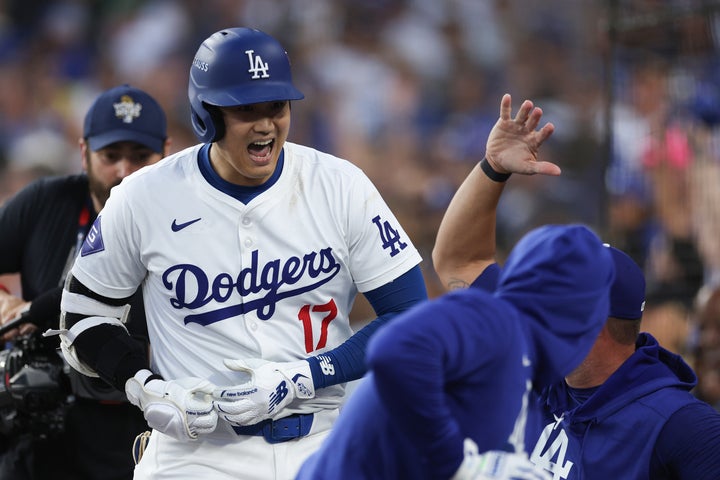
{"x": 176, "y": 227}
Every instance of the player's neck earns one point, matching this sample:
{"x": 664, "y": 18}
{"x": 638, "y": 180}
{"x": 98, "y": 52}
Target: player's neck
{"x": 599, "y": 365}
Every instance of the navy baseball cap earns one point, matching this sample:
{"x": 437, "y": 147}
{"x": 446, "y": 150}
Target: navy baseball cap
{"x": 125, "y": 114}
{"x": 627, "y": 293}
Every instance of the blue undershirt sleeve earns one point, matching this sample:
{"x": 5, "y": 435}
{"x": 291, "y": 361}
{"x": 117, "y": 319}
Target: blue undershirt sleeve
{"x": 347, "y": 361}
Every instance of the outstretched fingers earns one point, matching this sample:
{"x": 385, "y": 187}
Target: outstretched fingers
{"x": 525, "y": 112}
{"x": 514, "y": 141}
{"x": 545, "y": 132}
{"x": 533, "y": 119}
{"x": 542, "y": 167}
{"x": 528, "y": 116}
{"x": 506, "y": 107}
{"x": 546, "y": 168}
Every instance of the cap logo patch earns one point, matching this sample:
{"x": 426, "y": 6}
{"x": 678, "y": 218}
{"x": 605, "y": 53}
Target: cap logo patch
{"x": 126, "y": 109}
{"x": 258, "y": 68}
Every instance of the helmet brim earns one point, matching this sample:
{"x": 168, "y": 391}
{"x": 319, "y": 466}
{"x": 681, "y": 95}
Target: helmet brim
{"x": 248, "y": 95}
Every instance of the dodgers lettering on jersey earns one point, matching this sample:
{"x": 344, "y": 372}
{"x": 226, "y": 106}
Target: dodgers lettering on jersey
{"x": 273, "y": 279}
{"x": 320, "y": 266}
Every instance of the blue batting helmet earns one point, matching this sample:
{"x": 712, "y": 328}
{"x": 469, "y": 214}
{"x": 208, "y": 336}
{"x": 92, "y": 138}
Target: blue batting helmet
{"x": 236, "y": 66}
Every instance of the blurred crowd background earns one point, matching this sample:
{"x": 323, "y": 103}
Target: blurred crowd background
{"x": 409, "y": 89}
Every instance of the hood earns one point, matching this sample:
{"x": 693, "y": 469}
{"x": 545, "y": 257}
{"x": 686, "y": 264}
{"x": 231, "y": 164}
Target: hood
{"x": 649, "y": 369}
{"x": 559, "y": 277}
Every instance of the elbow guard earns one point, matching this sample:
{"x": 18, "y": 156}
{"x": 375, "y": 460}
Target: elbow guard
{"x": 89, "y": 313}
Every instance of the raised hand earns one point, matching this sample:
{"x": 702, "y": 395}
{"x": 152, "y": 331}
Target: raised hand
{"x": 513, "y": 143}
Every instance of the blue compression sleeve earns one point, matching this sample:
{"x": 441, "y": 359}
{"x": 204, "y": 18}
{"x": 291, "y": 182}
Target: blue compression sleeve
{"x": 347, "y": 361}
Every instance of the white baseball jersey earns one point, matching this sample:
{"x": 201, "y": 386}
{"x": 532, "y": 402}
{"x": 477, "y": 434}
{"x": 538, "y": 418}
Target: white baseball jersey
{"x": 273, "y": 279}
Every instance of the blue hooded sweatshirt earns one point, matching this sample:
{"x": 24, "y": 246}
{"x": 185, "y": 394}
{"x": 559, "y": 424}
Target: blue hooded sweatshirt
{"x": 642, "y": 423}
{"x": 463, "y": 365}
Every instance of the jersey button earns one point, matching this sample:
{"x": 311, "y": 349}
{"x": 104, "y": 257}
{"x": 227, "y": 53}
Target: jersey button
{"x": 246, "y": 221}
{"x": 248, "y": 242}
{"x": 253, "y": 326}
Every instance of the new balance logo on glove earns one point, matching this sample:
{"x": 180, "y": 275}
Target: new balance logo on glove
{"x": 281, "y": 391}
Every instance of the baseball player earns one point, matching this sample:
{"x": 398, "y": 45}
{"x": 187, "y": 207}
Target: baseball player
{"x": 250, "y": 251}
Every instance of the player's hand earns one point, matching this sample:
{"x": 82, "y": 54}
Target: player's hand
{"x": 272, "y": 387}
{"x": 497, "y": 465}
{"x": 180, "y": 408}
{"x": 513, "y": 143}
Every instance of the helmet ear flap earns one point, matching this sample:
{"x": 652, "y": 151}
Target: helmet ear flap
{"x": 207, "y": 123}
{"x": 217, "y": 120}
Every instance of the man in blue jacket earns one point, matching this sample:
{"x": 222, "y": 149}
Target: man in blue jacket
{"x": 457, "y": 371}
{"x": 627, "y": 410}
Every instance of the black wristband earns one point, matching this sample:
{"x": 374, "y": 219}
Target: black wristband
{"x": 492, "y": 174}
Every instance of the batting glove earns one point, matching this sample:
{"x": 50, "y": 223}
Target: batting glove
{"x": 180, "y": 408}
{"x": 272, "y": 387}
{"x": 497, "y": 465}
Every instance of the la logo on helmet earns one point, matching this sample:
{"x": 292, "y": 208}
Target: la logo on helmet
{"x": 257, "y": 66}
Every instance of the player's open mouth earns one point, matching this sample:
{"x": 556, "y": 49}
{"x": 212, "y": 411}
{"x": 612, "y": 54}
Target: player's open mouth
{"x": 260, "y": 151}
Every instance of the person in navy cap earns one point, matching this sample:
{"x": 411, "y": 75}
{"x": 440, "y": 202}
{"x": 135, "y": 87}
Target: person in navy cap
{"x": 627, "y": 411}
{"x": 124, "y": 130}
{"x": 41, "y": 229}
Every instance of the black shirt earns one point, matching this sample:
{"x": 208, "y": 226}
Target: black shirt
{"x": 39, "y": 229}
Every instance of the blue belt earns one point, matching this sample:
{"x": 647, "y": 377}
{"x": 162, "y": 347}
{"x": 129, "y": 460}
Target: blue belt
{"x": 278, "y": 431}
